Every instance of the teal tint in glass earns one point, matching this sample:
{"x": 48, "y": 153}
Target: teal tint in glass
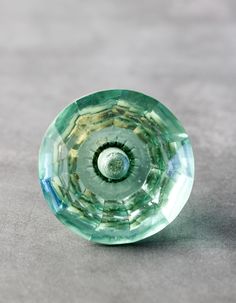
{"x": 116, "y": 166}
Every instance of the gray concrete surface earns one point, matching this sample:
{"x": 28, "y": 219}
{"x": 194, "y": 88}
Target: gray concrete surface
{"x": 181, "y": 52}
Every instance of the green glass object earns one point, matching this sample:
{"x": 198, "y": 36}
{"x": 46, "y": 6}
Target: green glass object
{"x": 116, "y": 166}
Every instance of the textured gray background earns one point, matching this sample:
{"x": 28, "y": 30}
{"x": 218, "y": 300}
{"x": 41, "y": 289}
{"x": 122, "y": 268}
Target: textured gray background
{"x": 181, "y": 52}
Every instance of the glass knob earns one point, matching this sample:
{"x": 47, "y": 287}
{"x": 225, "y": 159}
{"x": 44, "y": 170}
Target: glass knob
{"x": 116, "y": 166}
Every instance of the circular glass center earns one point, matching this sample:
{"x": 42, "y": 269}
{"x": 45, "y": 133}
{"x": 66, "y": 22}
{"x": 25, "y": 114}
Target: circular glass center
{"x": 113, "y": 163}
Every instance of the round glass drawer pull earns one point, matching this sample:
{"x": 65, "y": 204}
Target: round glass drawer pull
{"x": 116, "y": 166}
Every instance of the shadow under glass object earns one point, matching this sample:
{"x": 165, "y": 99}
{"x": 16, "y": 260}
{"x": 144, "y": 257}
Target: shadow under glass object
{"x": 116, "y": 166}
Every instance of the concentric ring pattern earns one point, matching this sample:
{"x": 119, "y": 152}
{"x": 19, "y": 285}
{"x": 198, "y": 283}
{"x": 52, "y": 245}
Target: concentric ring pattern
{"x": 148, "y": 198}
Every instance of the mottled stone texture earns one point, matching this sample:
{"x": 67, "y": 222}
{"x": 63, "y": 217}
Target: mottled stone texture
{"x": 182, "y": 52}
